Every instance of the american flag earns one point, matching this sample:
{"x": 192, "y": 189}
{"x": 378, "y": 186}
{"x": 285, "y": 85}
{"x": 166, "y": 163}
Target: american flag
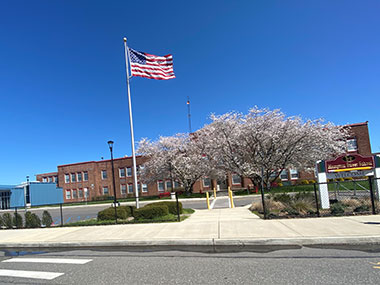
{"x": 151, "y": 66}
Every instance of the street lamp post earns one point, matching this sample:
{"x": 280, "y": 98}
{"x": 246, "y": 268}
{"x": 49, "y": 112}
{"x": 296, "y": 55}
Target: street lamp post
{"x": 110, "y": 145}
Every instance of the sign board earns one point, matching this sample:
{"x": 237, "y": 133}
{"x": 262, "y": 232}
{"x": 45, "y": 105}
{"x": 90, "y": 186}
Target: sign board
{"x": 350, "y": 162}
{"x": 356, "y": 173}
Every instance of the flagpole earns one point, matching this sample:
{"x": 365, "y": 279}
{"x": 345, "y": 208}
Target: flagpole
{"x": 131, "y": 126}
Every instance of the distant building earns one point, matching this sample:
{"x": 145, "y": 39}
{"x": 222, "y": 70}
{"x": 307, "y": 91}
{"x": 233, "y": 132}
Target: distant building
{"x": 29, "y": 194}
{"x": 89, "y": 180}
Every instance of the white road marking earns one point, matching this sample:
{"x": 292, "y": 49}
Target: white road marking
{"x": 213, "y": 203}
{"x": 49, "y": 260}
{"x": 30, "y": 274}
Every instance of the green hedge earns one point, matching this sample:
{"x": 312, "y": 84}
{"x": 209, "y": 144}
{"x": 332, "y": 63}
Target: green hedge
{"x": 172, "y": 206}
{"x": 151, "y": 211}
{"x": 46, "y": 219}
{"x": 109, "y": 214}
{"x": 130, "y": 210}
{"x": 32, "y": 220}
{"x": 17, "y": 221}
{"x": 7, "y": 220}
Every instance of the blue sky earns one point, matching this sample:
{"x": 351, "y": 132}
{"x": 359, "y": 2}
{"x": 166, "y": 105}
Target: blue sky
{"x": 62, "y": 71}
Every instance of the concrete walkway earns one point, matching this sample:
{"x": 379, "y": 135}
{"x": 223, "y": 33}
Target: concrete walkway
{"x": 207, "y": 228}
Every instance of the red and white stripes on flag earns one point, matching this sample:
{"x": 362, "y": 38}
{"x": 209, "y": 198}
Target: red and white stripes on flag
{"x": 151, "y": 66}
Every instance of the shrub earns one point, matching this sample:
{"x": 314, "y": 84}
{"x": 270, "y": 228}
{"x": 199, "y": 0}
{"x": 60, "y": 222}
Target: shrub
{"x": 17, "y": 221}
{"x": 348, "y": 178}
{"x": 129, "y": 210}
{"x": 109, "y": 214}
{"x": 339, "y": 179}
{"x": 351, "y": 203}
{"x": 337, "y": 209}
{"x": 7, "y": 220}
{"x": 256, "y": 206}
{"x": 151, "y": 211}
{"x": 46, "y": 219}
{"x": 32, "y": 220}
{"x": 172, "y": 206}
{"x": 102, "y": 198}
{"x": 280, "y": 184}
{"x": 271, "y": 205}
{"x": 291, "y": 211}
{"x": 1, "y": 222}
{"x": 312, "y": 181}
{"x": 361, "y": 208}
{"x": 284, "y": 198}
{"x": 302, "y": 207}
{"x": 305, "y": 182}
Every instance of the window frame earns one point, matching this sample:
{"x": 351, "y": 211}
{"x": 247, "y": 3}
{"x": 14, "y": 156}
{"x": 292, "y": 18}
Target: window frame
{"x": 232, "y": 179}
{"x": 159, "y": 182}
{"x": 120, "y": 174}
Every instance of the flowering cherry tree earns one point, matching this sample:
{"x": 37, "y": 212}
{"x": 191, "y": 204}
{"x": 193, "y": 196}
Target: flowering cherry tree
{"x": 180, "y": 157}
{"x": 269, "y": 141}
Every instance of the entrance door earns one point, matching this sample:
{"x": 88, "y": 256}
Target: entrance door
{"x": 222, "y": 184}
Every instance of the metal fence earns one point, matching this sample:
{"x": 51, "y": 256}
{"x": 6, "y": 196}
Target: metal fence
{"x": 68, "y": 213}
{"x": 360, "y": 192}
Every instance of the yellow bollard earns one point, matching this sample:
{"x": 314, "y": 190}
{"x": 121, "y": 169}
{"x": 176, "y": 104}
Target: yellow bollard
{"x": 231, "y": 197}
{"x": 214, "y": 193}
{"x": 208, "y": 200}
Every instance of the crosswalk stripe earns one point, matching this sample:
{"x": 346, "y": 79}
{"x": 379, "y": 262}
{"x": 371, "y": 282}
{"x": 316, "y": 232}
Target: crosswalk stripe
{"x": 49, "y": 260}
{"x": 30, "y": 274}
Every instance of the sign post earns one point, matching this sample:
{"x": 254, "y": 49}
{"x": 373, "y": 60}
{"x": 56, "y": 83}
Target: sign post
{"x": 346, "y": 165}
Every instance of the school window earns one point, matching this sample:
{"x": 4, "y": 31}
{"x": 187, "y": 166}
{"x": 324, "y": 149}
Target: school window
{"x": 55, "y": 179}
{"x": 80, "y": 193}
{"x": 123, "y": 189}
{"x": 105, "y": 190}
{"x": 284, "y": 175}
{"x": 139, "y": 187}
{"x": 129, "y": 171}
{"x": 169, "y": 185}
{"x": 176, "y": 184}
{"x": 79, "y": 176}
{"x": 104, "y": 174}
{"x": 44, "y": 179}
{"x": 68, "y": 194}
{"x": 236, "y": 179}
{"x": 206, "y": 182}
{"x": 73, "y": 177}
{"x": 67, "y": 178}
{"x": 352, "y": 145}
{"x": 160, "y": 186}
{"x": 293, "y": 174}
{"x": 130, "y": 188}
{"x": 121, "y": 172}
{"x": 144, "y": 187}
{"x": 50, "y": 179}
{"x": 85, "y": 176}
{"x": 75, "y": 194}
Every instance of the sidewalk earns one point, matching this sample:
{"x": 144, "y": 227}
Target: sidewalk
{"x": 205, "y": 230}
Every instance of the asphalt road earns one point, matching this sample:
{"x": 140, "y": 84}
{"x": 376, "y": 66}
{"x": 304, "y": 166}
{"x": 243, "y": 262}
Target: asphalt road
{"x": 78, "y": 213}
{"x": 302, "y": 266}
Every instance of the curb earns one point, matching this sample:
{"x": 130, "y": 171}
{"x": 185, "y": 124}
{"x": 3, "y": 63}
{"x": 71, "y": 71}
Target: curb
{"x": 366, "y": 243}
